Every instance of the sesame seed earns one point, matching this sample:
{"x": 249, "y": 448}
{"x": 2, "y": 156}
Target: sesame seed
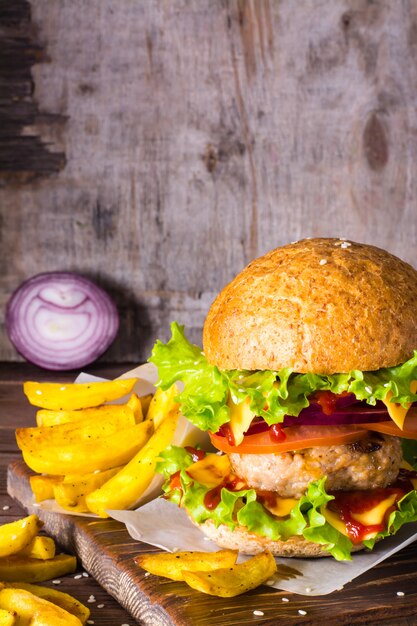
{"x": 90, "y": 621}
{"x": 368, "y": 389}
{"x": 147, "y": 574}
{"x": 125, "y": 625}
{"x": 6, "y": 507}
{"x": 258, "y": 613}
{"x": 85, "y": 575}
{"x": 400, "y": 593}
{"x": 322, "y": 262}
{"x": 284, "y": 600}
{"x": 56, "y": 582}
{"x": 270, "y": 582}
{"x": 78, "y": 576}
{"x": 100, "y": 606}
{"x": 345, "y": 244}
{"x": 302, "y": 612}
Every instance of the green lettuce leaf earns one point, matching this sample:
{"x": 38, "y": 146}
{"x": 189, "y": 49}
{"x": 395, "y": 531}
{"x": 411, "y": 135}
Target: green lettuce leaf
{"x": 207, "y": 389}
{"x": 242, "y": 508}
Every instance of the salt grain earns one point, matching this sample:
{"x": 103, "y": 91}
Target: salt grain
{"x": 56, "y": 582}
{"x": 259, "y": 613}
{"x": 400, "y": 593}
{"x": 39, "y": 392}
{"x": 91, "y": 599}
{"x": 322, "y": 262}
{"x": 308, "y": 589}
{"x": 345, "y": 244}
{"x": 301, "y": 612}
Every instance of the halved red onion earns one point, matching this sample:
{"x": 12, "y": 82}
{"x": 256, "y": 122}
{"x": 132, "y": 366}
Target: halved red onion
{"x": 61, "y": 320}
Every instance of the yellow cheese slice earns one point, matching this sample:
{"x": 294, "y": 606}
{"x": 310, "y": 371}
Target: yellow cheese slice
{"x": 375, "y": 515}
{"x": 281, "y": 506}
{"x": 241, "y": 416}
{"x": 210, "y": 471}
{"x": 396, "y": 411}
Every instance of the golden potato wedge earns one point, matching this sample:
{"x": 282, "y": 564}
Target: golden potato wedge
{"x": 39, "y": 548}
{"x": 71, "y": 493}
{"x": 232, "y": 581}
{"x": 65, "y": 434}
{"x": 46, "y": 417}
{"x": 87, "y": 456}
{"x": 17, "y": 535}
{"x": 26, "y": 570}
{"x": 71, "y": 396}
{"x": 64, "y": 600}
{"x": 145, "y": 402}
{"x": 126, "y": 487}
{"x": 172, "y": 565}
{"x": 43, "y": 486}
{"x": 161, "y": 404}
{"x": 35, "y": 611}
{"x": 8, "y": 618}
{"x": 135, "y": 404}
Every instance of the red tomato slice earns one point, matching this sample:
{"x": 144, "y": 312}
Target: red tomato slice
{"x": 390, "y": 428}
{"x": 296, "y": 438}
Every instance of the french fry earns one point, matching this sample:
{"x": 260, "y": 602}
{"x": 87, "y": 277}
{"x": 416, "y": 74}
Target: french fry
{"x": 61, "y": 599}
{"x": 145, "y": 402}
{"x": 161, "y": 404}
{"x": 125, "y": 488}
{"x": 87, "y": 456}
{"x": 135, "y": 404}
{"x": 8, "y": 618}
{"x": 43, "y": 486}
{"x": 35, "y": 611}
{"x": 39, "y": 548}
{"x": 172, "y": 565}
{"x": 232, "y": 581}
{"x": 46, "y": 417}
{"x": 72, "y": 491}
{"x": 15, "y": 536}
{"x": 65, "y": 434}
{"x": 26, "y": 570}
{"x": 71, "y": 396}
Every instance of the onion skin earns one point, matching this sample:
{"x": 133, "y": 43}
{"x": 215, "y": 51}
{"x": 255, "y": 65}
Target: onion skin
{"x": 61, "y": 321}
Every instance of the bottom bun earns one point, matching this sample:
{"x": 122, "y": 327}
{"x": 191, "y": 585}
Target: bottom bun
{"x": 250, "y": 543}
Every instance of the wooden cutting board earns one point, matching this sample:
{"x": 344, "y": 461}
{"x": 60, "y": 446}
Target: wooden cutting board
{"x": 106, "y": 551}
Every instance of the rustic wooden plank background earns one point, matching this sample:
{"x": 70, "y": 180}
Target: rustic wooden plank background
{"x": 158, "y": 146}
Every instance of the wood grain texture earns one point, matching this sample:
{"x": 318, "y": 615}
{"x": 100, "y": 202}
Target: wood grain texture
{"x": 106, "y": 551}
{"x": 198, "y": 135}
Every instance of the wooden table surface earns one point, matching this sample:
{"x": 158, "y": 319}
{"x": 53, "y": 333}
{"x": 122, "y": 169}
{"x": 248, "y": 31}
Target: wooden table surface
{"x": 15, "y": 411}
{"x": 371, "y": 599}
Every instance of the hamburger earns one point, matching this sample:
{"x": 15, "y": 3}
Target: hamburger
{"x": 306, "y": 385}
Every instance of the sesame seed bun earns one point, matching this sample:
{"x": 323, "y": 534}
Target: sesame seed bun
{"x": 319, "y": 305}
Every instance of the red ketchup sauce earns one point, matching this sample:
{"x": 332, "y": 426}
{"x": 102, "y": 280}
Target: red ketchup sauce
{"x": 348, "y": 503}
{"x": 276, "y": 433}
{"x": 327, "y": 400}
{"x": 226, "y": 431}
{"x": 213, "y": 497}
{"x": 197, "y": 455}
